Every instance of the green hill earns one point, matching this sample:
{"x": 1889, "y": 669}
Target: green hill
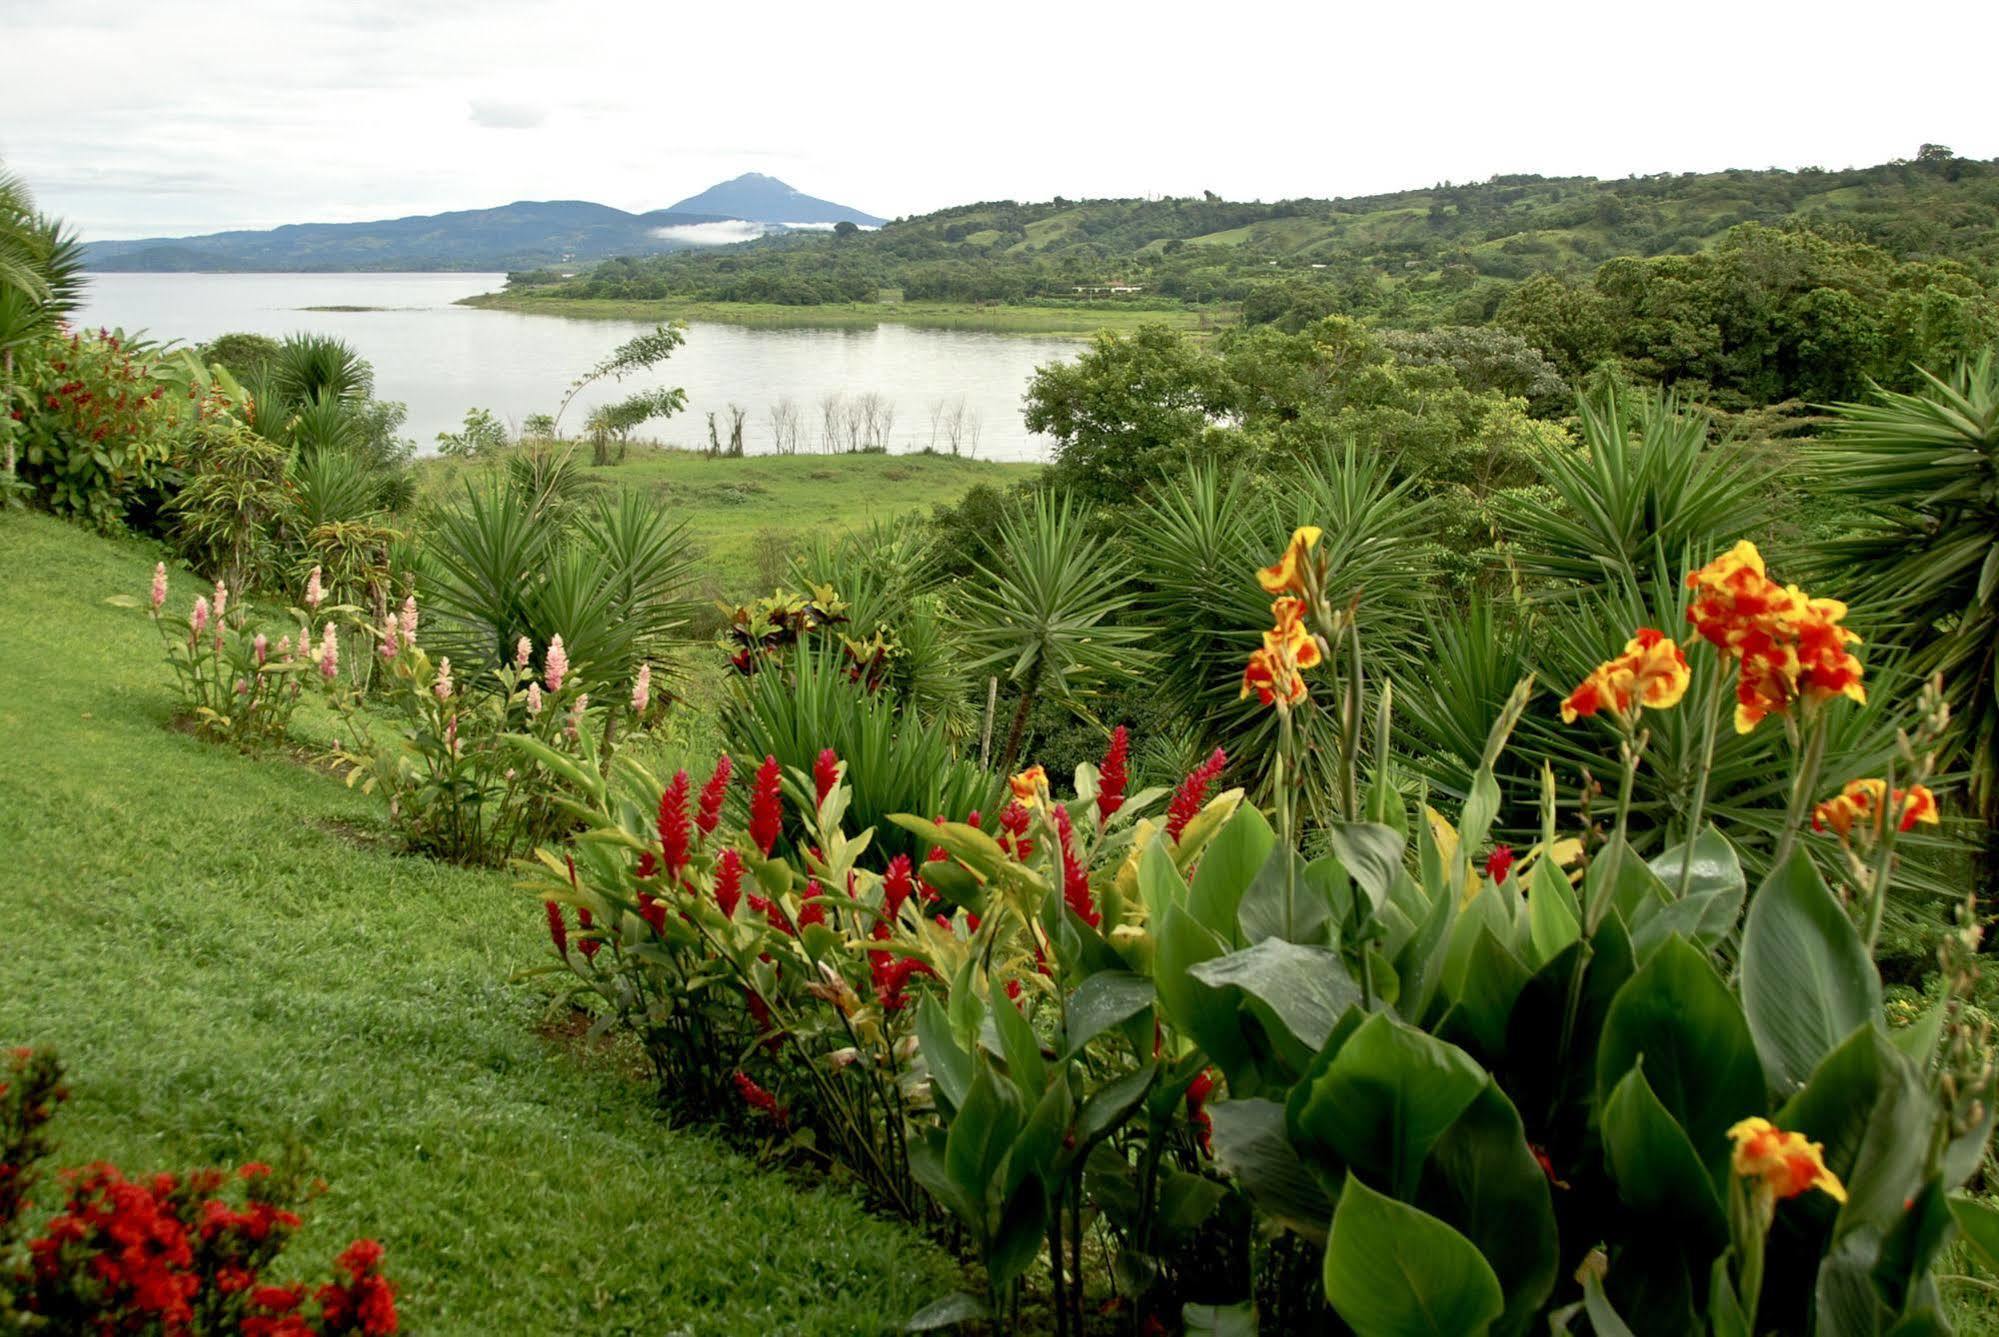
{"x": 1447, "y": 253}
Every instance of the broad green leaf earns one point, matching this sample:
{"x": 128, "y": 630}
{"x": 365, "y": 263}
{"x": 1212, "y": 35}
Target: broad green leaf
{"x": 1482, "y": 1178}
{"x": 1305, "y": 989}
{"x": 1679, "y": 1018}
{"x": 1551, "y": 926}
{"x": 1604, "y": 1320}
{"x": 1493, "y": 979}
{"x": 1038, "y": 1149}
{"x": 982, "y": 1134}
{"x": 1230, "y": 863}
{"x": 1870, "y": 1107}
{"x": 1394, "y": 1271}
{"x": 1023, "y": 1226}
{"x": 1371, "y": 854}
{"x": 1659, "y": 1175}
{"x": 946, "y": 1312}
{"x": 1186, "y": 1200}
{"x": 1101, "y": 1002}
{"x": 1159, "y": 882}
{"x": 950, "y": 1066}
{"x": 1273, "y": 907}
{"x": 1019, "y": 1046}
{"x": 1236, "y": 1320}
{"x": 1206, "y": 1014}
{"x": 1979, "y": 1225}
{"x": 1384, "y": 1101}
{"x": 1106, "y": 1109}
{"x": 1252, "y": 1147}
{"x": 1716, "y": 868}
{"x": 1807, "y": 980}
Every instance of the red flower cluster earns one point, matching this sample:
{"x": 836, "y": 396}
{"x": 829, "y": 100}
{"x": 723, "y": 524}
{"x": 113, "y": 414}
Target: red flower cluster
{"x": 675, "y": 834}
{"x": 813, "y": 909}
{"x": 826, "y": 773}
{"x": 728, "y": 881}
{"x": 1075, "y": 876}
{"x": 1112, "y": 776}
{"x": 759, "y": 1099}
{"x": 1499, "y": 863}
{"x": 1014, "y": 821}
{"x": 767, "y": 807}
{"x": 709, "y": 815}
{"x": 1192, "y": 794}
{"x": 1198, "y": 1092}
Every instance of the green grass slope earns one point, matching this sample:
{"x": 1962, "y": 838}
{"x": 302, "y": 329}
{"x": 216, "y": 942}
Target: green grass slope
{"x": 226, "y": 962}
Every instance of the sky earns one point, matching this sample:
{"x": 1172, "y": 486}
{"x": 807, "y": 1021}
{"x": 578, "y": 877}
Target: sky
{"x": 169, "y": 118}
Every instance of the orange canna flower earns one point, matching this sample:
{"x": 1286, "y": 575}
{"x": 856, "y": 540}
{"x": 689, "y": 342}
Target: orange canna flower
{"x": 1826, "y": 668}
{"x": 1858, "y": 807}
{"x": 1651, "y": 674}
{"x": 1029, "y": 785}
{"x": 1783, "y": 1163}
{"x": 1272, "y": 680}
{"x": 1273, "y": 672}
{"x": 1289, "y": 636}
{"x": 1921, "y": 806}
{"x": 1733, "y": 596}
{"x": 1287, "y": 576}
{"x": 1786, "y": 643}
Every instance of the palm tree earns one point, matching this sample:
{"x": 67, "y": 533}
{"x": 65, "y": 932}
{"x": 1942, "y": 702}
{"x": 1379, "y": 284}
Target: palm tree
{"x": 1044, "y": 610}
{"x": 41, "y": 281}
{"x": 1924, "y": 469}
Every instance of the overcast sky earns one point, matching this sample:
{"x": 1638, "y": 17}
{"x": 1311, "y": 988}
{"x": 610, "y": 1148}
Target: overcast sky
{"x": 165, "y": 118}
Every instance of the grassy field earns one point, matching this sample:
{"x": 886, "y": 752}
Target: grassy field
{"x": 1077, "y": 320}
{"x": 747, "y": 514}
{"x": 228, "y": 960}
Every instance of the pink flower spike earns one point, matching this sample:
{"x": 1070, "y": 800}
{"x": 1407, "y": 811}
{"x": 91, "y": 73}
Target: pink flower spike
{"x": 555, "y": 665}
{"x": 409, "y": 619}
{"x": 389, "y": 638}
{"x": 198, "y": 619}
{"x": 523, "y": 652}
{"x": 261, "y": 648}
{"x": 534, "y": 699}
{"x": 329, "y": 653}
{"x": 221, "y": 600}
{"x": 642, "y": 690}
{"x": 315, "y": 593}
{"x": 442, "y": 689}
{"x": 159, "y": 585}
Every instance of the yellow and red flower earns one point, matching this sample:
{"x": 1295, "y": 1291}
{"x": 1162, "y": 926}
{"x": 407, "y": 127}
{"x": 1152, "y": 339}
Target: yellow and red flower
{"x": 1651, "y": 674}
{"x": 1030, "y": 786}
{"x": 1287, "y": 575}
{"x": 1783, "y": 1163}
{"x": 1786, "y": 643}
{"x": 1273, "y": 673}
{"x": 1857, "y": 807}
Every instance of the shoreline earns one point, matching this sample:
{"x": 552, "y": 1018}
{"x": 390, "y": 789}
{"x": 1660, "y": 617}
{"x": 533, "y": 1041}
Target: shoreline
{"x": 1074, "y": 322}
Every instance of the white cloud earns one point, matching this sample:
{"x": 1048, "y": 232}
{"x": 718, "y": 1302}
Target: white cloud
{"x": 507, "y": 115}
{"x": 711, "y": 234}
{"x": 366, "y": 114}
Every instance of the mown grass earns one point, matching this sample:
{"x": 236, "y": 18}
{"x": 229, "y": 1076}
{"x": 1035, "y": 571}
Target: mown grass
{"x": 228, "y": 961}
{"x": 746, "y": 514}
{"x": 1080, "y": 320}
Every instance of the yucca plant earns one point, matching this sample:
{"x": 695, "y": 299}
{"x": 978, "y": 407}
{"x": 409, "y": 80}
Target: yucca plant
{"x": 311, "y": 366}
{"x": 1044, "y": 613}
{"x": 1923, "y": 468}
{"x": 1646, "y": 487}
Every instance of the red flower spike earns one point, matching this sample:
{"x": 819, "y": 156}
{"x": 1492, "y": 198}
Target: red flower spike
{"x": 1112, "y": 776}
{"x": 709, "y": 815}
{"x": 813, "y": 911}
{"x": 767, "y": 807}
{"x": 558, "y": 929}
{"x": 759, "y": 1099}
{"x": 826, "y": 773}
{"x": 1499, "y": 863}
{"x": 728, "y": 881}
{"x": 588, "y": 946}
{"x": 674, "y": 833}
{"x": 1192, "y": 795}
{"x": 898, "y": 885}
{"x": 1075, "y": 877}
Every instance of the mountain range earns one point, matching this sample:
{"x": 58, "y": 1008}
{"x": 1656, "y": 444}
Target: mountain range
{"x": 521, "y": 235}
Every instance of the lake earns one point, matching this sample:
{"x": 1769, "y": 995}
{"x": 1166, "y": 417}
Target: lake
{"x": 442, "y": 359}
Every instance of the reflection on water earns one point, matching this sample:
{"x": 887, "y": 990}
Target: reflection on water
{"x": 442, "y": 359}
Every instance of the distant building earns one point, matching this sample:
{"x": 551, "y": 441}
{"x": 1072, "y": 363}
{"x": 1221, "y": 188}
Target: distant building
{"x": 1107, "y": 289}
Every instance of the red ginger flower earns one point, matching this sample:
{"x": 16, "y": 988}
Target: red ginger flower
{"x": 1499, "y": 863}
{"x": 766, "y": 807}
{"x": 674, "y": 834}
{"x": 1014, "y": 821}
{"x": 1111, "y": 776}
{"x": 898, "y": 885}
{"x": 759, "y": 1099}
{"x": 813, "y": 909}
{"x": 728, "y": 881}
{"x": 1192, "y": 793}
{"x": 558, "y": 929}
{"x": 588, "y": 946}
{"x": 709, "y": 815}
{"x": 826, "y": 772}
{"x": 1075, "y": 877}
{"x": 653, "y": 910}
{"x": 1198, "y": 1092}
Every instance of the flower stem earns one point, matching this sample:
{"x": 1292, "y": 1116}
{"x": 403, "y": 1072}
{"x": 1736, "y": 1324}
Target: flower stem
{"x": 1710, "y": 726}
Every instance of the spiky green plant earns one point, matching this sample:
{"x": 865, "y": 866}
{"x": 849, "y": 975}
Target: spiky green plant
{"x": 1923, "y": 470}
{"x": 1044, "y": 613}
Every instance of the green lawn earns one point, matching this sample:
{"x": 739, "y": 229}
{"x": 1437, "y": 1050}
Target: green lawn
{"x": 227, "y": 960}
{"x": 1080, "y": 320}
{"x": 745, "y": 513}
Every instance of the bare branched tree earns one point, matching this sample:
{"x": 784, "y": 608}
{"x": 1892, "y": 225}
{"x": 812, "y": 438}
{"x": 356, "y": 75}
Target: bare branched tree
{"x": 737, "y": 414}
{"x": 831, "y": 413}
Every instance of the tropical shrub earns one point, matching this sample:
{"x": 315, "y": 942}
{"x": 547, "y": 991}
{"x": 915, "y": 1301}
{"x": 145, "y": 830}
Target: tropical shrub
{"x": 1490, "y": 1090}
{"x": 97, "y": 419}
{"x": 167, "y": 1253}
{"x": 234, "y": 681}
{"x": 234, "y": 503}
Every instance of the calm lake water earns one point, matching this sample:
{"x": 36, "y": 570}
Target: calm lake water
{"x": 442, "y": 359}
